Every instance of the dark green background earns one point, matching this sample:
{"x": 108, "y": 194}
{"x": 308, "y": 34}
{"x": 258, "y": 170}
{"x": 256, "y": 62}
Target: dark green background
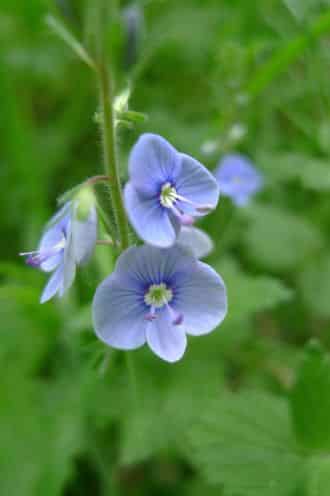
{"x": 247, "y": 410}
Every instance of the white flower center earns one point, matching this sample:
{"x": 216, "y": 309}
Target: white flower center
{"x": 168, "y": 195}
{"x": 158, "y": 295}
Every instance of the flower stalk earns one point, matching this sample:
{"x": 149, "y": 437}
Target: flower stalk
{"x": 109, "y": 152}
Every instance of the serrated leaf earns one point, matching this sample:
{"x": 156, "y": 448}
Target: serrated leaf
{"x": 310, "y": 399}
{"x": 278, "y": 239}
{"x": 245, "y": 442}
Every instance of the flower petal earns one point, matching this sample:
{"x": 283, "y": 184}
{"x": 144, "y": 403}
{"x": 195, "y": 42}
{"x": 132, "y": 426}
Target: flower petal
{"x": 145, "y": 265}
{"x": 196, "y": 184}
{"x": 166, "y": 340}
{"x": 152, "y": 222}
{"x": 196, "y": 241}
{"x": 153, "y": 162}
{"x": 51, "y": 238}
{"x": 53, "y": 235}
{"x": 53, "y": 285}
{"x": 84, "y": 235}
{"x": 119, "y": 315}
{"x": 201, "y": 298}
{"x": 69, "y": 263}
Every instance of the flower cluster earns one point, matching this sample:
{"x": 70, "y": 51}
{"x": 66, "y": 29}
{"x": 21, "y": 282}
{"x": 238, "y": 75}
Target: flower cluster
{"x": 159, "y": 292}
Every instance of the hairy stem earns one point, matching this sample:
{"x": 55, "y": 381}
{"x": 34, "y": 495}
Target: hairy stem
{"x": 109, "y": 153}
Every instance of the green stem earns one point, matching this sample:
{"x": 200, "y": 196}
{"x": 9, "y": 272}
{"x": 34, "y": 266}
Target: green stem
{"x": 109, "y": 153}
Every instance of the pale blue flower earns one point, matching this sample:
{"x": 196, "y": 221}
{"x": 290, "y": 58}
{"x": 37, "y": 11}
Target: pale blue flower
{"x": 165, "y": 188}
{"x": 67, "y": 242}
{"x": 158, "y": 296}
{"x": 238, "y": 179}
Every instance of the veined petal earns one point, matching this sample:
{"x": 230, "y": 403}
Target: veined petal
{"x": 145, "y": 265}
{"x": 53, "y": 285}
{"x": 69, "y": 263}
{"x": 201, "y": 298}
{"x": 151, "y": 221}
{"x": 196, "y": 241}
{"x": 84, "y": 235}
{"x": 166, "y": 340}
{"x": 197, "y": 185}
{"x": 119, "y": 315}
{"x": 53, "y": 236}
{"x": 153, "y": 162}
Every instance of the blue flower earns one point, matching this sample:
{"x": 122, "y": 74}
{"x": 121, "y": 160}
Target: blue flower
{"x": 196, "y": 241}
{"x": 238, "y": 179}
{"x": 165, "y": 188}
{"x": 158, "y": 296}
{"x": 68, "y": 241}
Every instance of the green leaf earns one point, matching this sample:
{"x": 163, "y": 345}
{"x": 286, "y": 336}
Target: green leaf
{"x": 170, "y": 397}
{"x": 278, "y": 239}
{"x": 310, "y": 399}
{"x": 245, "y": 442}
{"x": 314, "y": 284}
{"x": 62, "y": 32}
{"x": 248, "y": 294}
{"x": 286, "y": 55}
{"x": 319, "y": 477}
{"x": 313, "y": 173}
{"x": 41, "y": 433}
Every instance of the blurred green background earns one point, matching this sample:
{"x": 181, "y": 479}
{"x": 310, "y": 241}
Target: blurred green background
{"x": 247, "y": 410}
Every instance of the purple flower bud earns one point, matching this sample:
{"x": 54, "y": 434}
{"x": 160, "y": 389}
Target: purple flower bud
{"x": 238, "y": 179}
{"x": 158, "y": 296}
{"x": 165, "y": 189}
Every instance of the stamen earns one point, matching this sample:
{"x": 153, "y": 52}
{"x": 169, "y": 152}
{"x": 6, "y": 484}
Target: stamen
{"x": 158, "y": 295}
{"x": 37, "y": 257}
{"x": 167, "y": 195}
{"x": 177, "y": 317}
{"x": 199, "y": 207}
{"x": 151, "y": 315}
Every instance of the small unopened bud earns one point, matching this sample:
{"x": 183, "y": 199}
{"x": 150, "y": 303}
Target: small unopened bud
{"x": 84, "y": 201}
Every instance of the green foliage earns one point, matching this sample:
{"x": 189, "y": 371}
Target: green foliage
{"x": 245, "y": 442}
{"x": 238, "y": 416}
{"x": 250, "y": 294}
{"x": 310, "y": 400}
{"x": 279, "y": 239}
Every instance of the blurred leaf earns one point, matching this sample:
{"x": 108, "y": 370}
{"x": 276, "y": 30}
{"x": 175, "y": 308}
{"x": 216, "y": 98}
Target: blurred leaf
{"x": 310, "y": 399}
{"x": 278, "y": 239}
{"x": 245, "y": 442}
{"x": 319, "y": 477}
{"x": 169, "y": 399}
{"x": 314, "y": 283}
{"x": 41, "y": 432}
{"x": 62, "y": 32}
{"x": 287, "y": 54}
{"x": 312, "y": 173}
{"x": 247, "y": 294}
